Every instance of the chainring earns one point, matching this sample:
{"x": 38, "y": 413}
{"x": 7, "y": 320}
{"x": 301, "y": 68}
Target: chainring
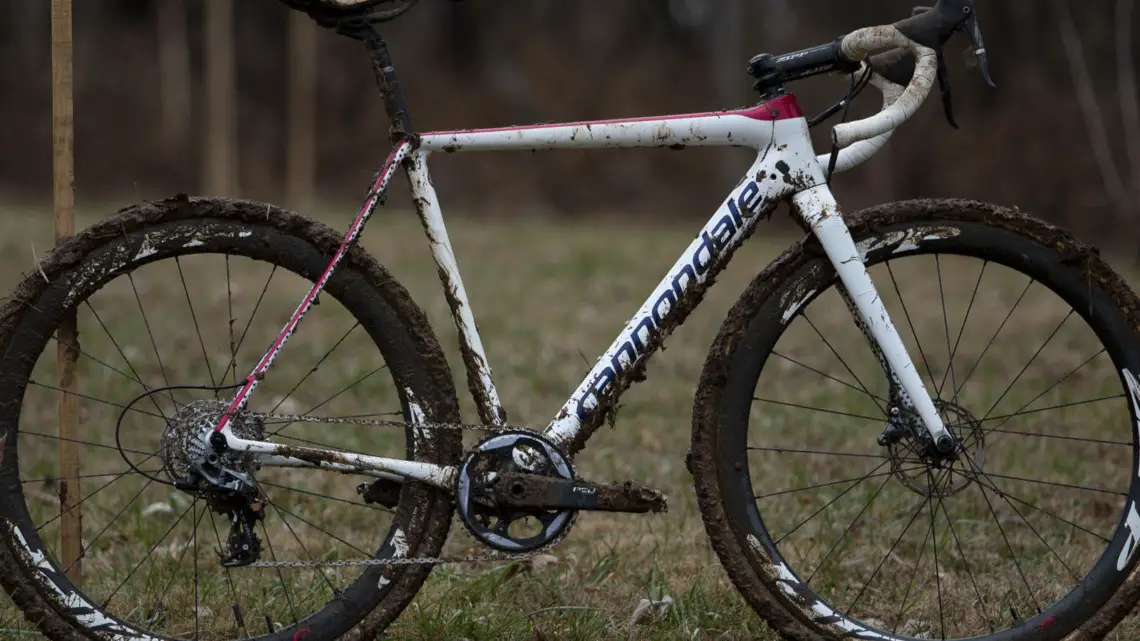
{"x": 511, "y": 529}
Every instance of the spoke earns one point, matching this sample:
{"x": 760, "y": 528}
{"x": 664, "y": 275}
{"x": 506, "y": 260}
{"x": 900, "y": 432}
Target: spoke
{"x": 130, "y": 377}
{"x": 330, "y": 399}
{"x": 934, "y": 540}
{"x": 318, "y": 528}
{"x": 914, "y": 572}
{"x": 1026, "y": 367}
{"x": 230, "y": 324}
{"x": 194, "y": 317}
{"x": 148, "y": 554}
{"x": 1063, "y": 438}
{"x": 970, "y": 573}
{"x": 378, "y": 508}
{"x": 97, "y": 400}
{"x": 196, "y": 519}
{"x": 150, "y": 334}
{"x": 829, "y": 503}
{"x": 993, "y": 488}
{"x": 238, "y": 618}
{"x": 315, "y": 367}
{"x": 828, "y": 376}
{"x": 51, "y": 479}
{"x": 847, "y": 530}
{"x": 196, "y": 608}
{"x": 906, "y": 313}
{"x": 842, "y": 362}
{"x": 83, "y": 500}
{"x": 248, "y": 323}
{"x": 91, "y": 544}
{"x": 1022, "y": 410}
{"x": 890, "y": 551}
{"x": 122, "y": 354}
{"x": 819, "y": 409}
{"x": 974, "y": 367}
{"x": 962, "y": 330}
{"x": 303, "y": 547}
{"x": 1013, "y": 507}
{"x": 280, "y": 579}
{"x": 1053, "y": 483}
{"x": 946, "y": 327}
{"x": 1012, "y": 554}
{"x": 325, "y": 446}
{"x": 782, "y": 450}
{"x": 829, "y": 484}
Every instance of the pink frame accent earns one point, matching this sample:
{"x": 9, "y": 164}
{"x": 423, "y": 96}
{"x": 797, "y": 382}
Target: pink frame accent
{"x": 374, "y": 195}
{"x": 785, "y": 107}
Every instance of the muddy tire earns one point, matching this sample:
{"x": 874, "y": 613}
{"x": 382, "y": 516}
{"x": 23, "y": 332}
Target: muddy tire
{"x": 388, "y": 327}
{"x": 1033, "y": 523}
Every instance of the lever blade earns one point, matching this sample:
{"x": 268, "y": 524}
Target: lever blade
{"x": 974, "y": 30}
{"x": 944, "y": 89}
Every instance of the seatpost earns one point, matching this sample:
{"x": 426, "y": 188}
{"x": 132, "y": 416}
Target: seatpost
{"x": 385, "y": 72}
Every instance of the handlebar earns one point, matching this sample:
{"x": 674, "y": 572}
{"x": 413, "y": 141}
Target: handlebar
{"x": 905, "y": 54}
{"x": 865, "y": 43}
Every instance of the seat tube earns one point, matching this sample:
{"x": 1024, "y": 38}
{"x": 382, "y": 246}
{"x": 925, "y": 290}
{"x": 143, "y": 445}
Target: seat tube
{"x": 819, "y": 210}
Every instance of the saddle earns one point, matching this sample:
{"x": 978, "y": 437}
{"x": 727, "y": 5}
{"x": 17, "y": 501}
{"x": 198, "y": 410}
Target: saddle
{"x": 337, "y": 13}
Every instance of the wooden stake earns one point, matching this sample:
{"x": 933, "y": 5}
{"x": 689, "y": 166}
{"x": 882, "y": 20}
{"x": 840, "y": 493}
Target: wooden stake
{"x": 220, "y": 172}
{"x": 67, "y": 338}
{"x": 300, "y": 175}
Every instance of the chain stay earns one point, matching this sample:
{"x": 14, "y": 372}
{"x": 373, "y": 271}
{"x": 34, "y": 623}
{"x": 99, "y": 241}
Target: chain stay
{"x": 394, "y": 561}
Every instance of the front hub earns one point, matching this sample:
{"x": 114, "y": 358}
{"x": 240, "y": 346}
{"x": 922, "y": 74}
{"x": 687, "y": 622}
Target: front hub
{"x": 931, "y": 471}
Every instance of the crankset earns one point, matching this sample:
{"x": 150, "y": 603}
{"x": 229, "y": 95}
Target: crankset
{"x": 518, "y": 492}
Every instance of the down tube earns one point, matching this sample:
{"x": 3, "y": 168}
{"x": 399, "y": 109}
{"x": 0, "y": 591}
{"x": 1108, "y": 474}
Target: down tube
{"x": 670, "y": 304}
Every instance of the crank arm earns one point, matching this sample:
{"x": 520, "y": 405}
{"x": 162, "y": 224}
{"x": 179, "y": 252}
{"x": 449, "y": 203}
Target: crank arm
{"x": 520, "y": 490}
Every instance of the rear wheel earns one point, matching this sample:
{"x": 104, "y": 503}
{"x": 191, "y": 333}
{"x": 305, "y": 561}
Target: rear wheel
{"x": 821, "y": 501}
{"x": 190, "y": 293}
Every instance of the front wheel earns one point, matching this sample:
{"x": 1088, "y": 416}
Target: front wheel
{"x": 826, "y": 509}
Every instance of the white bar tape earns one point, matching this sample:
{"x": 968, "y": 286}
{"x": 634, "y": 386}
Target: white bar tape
{"x": 862, "y": 151}
{"x": 867, "y": 42}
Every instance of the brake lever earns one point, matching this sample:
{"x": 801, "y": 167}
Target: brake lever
{"x": 978, "y": 48}
{"x": 944, "y": 89}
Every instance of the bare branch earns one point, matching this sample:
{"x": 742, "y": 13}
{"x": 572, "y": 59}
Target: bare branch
{"x": 1086, "y": 96}
{"x": 1129, "y": 100}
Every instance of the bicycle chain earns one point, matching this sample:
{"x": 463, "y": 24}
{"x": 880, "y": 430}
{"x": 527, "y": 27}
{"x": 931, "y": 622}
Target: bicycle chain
{"x": 395, "y": 561}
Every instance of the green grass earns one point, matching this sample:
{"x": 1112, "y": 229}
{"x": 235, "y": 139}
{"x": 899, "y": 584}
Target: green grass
{"x": 549, "y": 297}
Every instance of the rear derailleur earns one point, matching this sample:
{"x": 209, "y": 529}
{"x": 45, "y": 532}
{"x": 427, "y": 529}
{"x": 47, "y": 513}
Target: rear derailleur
{"x": 223, "y": 479}
{"x": 242, "y": 505}
{"x": 517, "y": 492}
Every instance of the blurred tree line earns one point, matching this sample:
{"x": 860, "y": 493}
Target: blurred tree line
{"x": 242, "y": 98}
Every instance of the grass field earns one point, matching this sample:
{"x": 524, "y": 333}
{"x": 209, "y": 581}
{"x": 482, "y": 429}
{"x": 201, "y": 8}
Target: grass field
{"x": 549, "y": 297}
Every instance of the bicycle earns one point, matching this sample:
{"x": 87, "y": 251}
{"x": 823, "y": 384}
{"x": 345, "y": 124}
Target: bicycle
{"x": 516, "y": 490}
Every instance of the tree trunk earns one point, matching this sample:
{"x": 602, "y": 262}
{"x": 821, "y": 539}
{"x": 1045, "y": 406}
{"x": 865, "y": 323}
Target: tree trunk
{"x": 726, "y": 30}
{"x": 221, "y": 157}
{"x": 300, "y": 174}
{"x": 174, "y": 75}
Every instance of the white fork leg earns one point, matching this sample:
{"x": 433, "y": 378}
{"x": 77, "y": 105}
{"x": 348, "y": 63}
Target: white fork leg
{"x": 819, "y": 210}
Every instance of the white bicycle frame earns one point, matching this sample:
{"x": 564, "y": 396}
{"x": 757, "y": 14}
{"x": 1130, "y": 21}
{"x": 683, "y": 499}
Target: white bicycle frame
{"x": 786, "y": 169}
